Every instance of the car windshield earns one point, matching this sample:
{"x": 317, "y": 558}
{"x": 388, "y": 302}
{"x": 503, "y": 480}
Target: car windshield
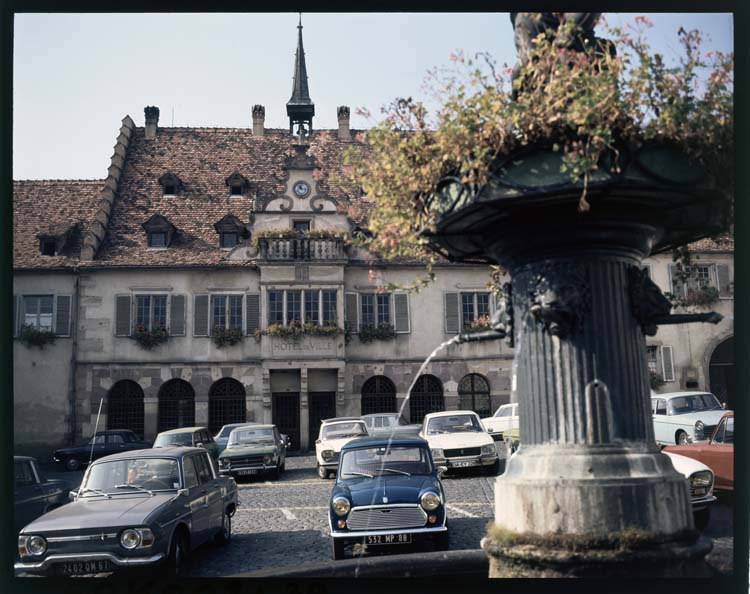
{"x": 453, "y": 424}
{"x": 250, "y": 435}
{"x": 226, "y": 430}
{"x": 342, "y": 430}
{"x": 693, "y": 403}
{"x": 382, "y": 460}
{"x": 183, "y": 439}
{"x": 134, "y": 474}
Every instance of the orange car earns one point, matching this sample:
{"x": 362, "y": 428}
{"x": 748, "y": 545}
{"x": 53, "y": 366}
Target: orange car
{"x": 717, "y": 453}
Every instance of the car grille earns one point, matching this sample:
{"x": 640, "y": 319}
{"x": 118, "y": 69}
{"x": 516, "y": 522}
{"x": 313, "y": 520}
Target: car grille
{"x": 244, "y": 460}
{"x": 385, "y": 517}
{"x": 462, "y": 452}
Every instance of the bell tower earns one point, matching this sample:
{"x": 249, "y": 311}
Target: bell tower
{"x": 300, "y": 107}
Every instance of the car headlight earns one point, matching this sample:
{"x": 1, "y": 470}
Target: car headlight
{"x": 327, "y": 455}
{"x": 266, "y": 459}
{"x": 438, "y": 453}
{"x": 699, "y": 426}
{"x": 130, "y": 539}
{"x": 702, "y": 478}
{"x": 341, "y": 506}
{"x": 429, "y": 500}
{"x": 488, "y": 450}
{"x": 223, "y": 462}
{"x": 31, "y": 545}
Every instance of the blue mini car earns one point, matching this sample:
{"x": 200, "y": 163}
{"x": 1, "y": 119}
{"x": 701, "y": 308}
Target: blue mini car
{"x": 387, "y": 497}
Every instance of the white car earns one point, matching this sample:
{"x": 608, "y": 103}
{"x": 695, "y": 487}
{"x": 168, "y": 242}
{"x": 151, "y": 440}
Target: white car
{"x": 334, "y": 434}
{"x": 701, "y": 480}
{"x": 684, "y": 417}
{"x": 505, "y": 418}
{"x": 458, "y": 440}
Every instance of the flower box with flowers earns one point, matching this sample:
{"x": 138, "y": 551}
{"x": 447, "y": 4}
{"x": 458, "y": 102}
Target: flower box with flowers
{"x": 150, "y": 338}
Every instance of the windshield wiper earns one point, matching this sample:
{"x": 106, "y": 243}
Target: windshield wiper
{"x": 359, "y": 474}
{"x": 97, "y": 491}
{"x": 397, "y": 471}
{"x": 126, "y": 486}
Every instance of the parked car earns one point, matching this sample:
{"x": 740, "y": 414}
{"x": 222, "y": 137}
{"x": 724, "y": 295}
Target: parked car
{"x": 197, "y": 437}
{"x": 222, "y": 437}
{"x": 334, "y": 434}
{"x": 387, "y": 496}
{"x": 134, "y": 509}
{"x": 717, "y": 453}
{"x": 505, "y": 417}
{"x": 389, "y": 424}
{"x": 254, "y": 449}
{"x": 33, "y": 494}
{"x": 701, "y": 482}
{"x": 105, "y": 443}
{"x": 512, "y": 440}
{"x": 458, "y": 440}
{"x": 684, "y": 417}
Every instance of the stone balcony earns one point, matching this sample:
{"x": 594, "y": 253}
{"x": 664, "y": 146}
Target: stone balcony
{"x": 301, "y": 248}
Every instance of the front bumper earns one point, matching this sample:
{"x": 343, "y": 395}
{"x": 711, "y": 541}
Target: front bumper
{"x": 420, "y": 533}
{"x": 259, "y": 467}
{"x": 48, "y": 562}
{"x": 467, "y": 461}
{"x": 702, "y": 502}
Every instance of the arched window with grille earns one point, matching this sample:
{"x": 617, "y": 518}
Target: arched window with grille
{"x": 226, "y": 404}
{"x": 125, "y": 407}
{"x": 426, "y": 397}
{"x": 378, "y": 395}
{"x": 474, "y": 394}
{"x": 176, "y": 405}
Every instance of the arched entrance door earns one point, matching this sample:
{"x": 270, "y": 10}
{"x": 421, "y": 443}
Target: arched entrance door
{"x": 125, "y": 407}
{"x": 474, "y": 394}
{"x": 176, "y": 405}
{"x": 226, "y": 404}
{"x": 426, "y": 397}
{"x": 721, "y": 372}
{"x": 378, "y": 395}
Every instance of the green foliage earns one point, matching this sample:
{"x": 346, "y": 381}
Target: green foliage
{"x": 370, "y": 332}
{"x": 582, "y": 105}
{"x": 696, "y": 297}
{"x": 655, "y": 380}
{"x": 148, "y": 339}
{"x": 226, "y": 336}
{"x": 479, "y": 325}
{"x": 33, "y": 336}
{"x": 296, "y": 330}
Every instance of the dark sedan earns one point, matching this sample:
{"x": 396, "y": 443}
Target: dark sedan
{"x": 133, "y": 510}
{"x": 387, "y": 497}
{"x": 33, "y": 494}
{"x": 104, "y": 443}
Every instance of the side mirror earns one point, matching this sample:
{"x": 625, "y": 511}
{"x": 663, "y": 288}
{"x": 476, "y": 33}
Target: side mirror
{"x": 181, "y": 492}
{"x": 72, "y": 495}
{"x": 441, "y": 470}
{"x": 199, "y": 444}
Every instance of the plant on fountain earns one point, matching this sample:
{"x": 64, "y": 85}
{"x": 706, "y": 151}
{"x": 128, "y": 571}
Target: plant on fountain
{"x": 585, "y": 105}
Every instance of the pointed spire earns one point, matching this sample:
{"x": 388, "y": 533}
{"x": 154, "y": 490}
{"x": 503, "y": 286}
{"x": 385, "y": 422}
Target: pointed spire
{"x": 300, "y": 107}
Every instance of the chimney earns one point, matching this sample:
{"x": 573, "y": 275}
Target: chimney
{"x": 152, "y": 120}
{"x": 259, "y": 117}
{"x": 343, "y": 115}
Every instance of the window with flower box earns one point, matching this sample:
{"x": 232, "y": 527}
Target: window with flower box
{"x": 286, "y": 306}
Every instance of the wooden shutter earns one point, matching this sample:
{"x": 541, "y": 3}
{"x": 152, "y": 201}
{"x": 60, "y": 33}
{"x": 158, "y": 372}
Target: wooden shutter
{"x": 122, "y": 315}
{"x": 401, "y": 312}
{"x": 667, "y": 364}
{"x": 177, "y": 315}
{"x": 678, "y": 287}
{"x": 452, "y": 313}
{"x": 62, "y": 315}
{"x": 724, "y": 281}
{"x": 252, "y": 313}
{"x": 200, "y": 315}
{"x": 351, "y": 312}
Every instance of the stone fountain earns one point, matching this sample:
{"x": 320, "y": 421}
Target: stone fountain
{"x": 588, "y": 493}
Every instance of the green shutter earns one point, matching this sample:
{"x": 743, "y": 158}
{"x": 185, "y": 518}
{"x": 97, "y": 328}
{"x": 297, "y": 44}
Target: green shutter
{"x": 62, "y": 315}
{"x": 200, "y": 315}
{"x": 252, "y": 313}
{"x": 177, "y": 315}
{"x": 122, "y": 315}
{"x": 724, "y": 280}
{"x": 351, "y": 312}
{"x": 452, "y": 310}
{"x": 678, "y": 287}
{"x": 667, "y": 364}
{"x": 401, "y": 315}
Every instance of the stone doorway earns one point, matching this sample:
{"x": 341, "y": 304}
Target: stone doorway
{"x": 285, "y": 412}
{"x": 322, "y": 405}
{"x": 721, "y": 373}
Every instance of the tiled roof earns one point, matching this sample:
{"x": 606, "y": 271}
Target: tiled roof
{"x": 51, "y": 207}
{"x": 203, "y": 158}
{"x": 723, "y": 243}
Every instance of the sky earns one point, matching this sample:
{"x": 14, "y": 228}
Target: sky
{"x": 76, "y": 76}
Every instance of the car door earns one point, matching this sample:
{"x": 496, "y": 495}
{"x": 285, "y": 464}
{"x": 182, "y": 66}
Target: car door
{"x": 198, "y": 499}
{"x": 209, "y": 479}
{"x": 29, "y": 500}
{"x": 718, "y": 455}
{"x": 661, "y": 427}
{"x": 52, "y": 491}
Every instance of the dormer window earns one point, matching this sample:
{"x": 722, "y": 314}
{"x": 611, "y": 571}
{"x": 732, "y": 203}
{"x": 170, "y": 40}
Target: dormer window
{"x": 47, "y": 247}
{"x": 170, "y": 184}
{"x": 237, "y": 184}
{"x": 159, "y": 231}
{"x": 229, "y": 239}
{"x": 230, "y": 230}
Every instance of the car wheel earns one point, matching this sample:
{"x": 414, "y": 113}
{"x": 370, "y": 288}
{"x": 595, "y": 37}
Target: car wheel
{"x": 337, "y": 549}
{"x": 177, "y": 560}
{"x": 682, "y": 438}
{"x": 701, "y": 519}
{"x": 322, "y": 472}
{"x": 72, "y": 464}
{"x": 225, "y": 534}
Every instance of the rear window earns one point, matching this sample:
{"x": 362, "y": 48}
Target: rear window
{"x": 343, "y": 430}
{"x": 177, "y": 439}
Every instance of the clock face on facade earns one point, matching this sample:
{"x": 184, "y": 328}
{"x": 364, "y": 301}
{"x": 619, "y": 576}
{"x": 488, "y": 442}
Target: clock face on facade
{"x": 301, "y": 189}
